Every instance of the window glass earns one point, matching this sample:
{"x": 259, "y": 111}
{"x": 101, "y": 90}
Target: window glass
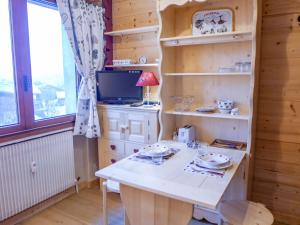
{"x": 8, "y": 103}
{"x": 52, "y": 64}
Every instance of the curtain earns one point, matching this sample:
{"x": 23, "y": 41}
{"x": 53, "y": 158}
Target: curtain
{"x": 84, "y": 24}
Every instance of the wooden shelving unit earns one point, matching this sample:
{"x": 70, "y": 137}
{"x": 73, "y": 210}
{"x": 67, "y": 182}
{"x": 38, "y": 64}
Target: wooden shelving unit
{"x": 189, "y": 64}
{"x": 132, "y": 65}
{"x": 137, "y": 30}
{"x": 207, "y": 39}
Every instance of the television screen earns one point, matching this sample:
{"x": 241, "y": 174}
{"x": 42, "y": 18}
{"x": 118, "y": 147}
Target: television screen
{"x": 119, "y": 87}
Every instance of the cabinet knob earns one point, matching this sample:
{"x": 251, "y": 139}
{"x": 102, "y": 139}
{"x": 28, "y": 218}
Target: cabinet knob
{"x": 113, "y": 161}
{"x": 113, "y": 147}
{"x": 135, "y": 150}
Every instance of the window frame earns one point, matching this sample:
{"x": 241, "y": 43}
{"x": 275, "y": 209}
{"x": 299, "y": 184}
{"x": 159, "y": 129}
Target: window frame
{"x": 27, "y": 125}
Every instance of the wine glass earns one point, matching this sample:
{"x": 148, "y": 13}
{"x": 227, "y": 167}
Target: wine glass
{"x": 187, "y": 102}
{"x": 178, "y": 103}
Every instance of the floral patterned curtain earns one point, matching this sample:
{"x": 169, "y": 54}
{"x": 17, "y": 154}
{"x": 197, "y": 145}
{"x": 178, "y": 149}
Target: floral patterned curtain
{"x": 84, "y": 24}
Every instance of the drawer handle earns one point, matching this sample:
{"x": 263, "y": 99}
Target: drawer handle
{"x": 113, "y": 161}
{"x": 135, "y": 150}
{"x": 113, "y": 147}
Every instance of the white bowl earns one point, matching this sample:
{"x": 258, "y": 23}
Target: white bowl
{"x": 155, "y": 150}
{"x": 225, "y": 104}
{"x": 212, "y": 159}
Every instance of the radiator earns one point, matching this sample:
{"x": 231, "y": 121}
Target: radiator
{"x": 35, "y": 170}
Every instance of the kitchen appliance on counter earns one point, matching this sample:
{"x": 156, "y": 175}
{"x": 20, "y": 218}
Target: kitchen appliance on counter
{"x": 186, "y": 134}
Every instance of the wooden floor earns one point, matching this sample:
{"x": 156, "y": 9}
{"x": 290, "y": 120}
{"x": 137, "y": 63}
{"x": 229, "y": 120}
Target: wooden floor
{"x": 84, "y": 208}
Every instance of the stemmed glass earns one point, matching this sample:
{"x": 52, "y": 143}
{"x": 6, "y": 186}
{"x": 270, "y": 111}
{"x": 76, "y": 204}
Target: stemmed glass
{"x": 178, "y": 103}
{"x": 187, "y": 102}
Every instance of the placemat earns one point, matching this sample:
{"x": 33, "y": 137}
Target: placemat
{"x": 148, "y": 159}
{"x": 204, "y": 171}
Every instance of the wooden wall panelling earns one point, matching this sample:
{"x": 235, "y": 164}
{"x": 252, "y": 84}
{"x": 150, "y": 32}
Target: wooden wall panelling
{"x": 277, "y": 159}
{"x": 129, "y": 14}
{"x": 275, "y": 7}
{"x": 133, "y": 13}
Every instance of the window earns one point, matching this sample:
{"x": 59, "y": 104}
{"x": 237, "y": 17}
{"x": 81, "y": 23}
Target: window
{"x": 52, "y": 95}
{"x": 8, "y": 103}
{"x": 37, "y": 71}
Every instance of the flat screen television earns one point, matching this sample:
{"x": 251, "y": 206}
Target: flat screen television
{"x": 119, "y": 87}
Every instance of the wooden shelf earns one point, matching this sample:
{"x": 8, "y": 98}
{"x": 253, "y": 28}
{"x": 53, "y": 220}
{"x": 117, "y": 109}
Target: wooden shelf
{"x": 209, "y": 115}
{"x": 133, "y": 31}
{"x": 132, "y": 65}
{"x": 210, "y": 74}
{"x": 207, "y": 39}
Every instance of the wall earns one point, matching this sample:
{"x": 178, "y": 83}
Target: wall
{"x": 277, "y": 160}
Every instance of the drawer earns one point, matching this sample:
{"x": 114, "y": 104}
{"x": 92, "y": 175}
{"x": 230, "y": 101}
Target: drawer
{"x": 115, "y": 147}
{"x": 131, "y": 148}
{"x": 107, "y": 159}
{"x": 110, "y": 151}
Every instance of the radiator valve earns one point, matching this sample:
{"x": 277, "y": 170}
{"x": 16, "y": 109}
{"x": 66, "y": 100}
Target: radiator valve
{"x": 33, "y": 167}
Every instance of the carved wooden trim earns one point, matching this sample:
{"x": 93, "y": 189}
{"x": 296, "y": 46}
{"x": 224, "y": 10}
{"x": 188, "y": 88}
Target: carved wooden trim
{"x": 163, "y": 4}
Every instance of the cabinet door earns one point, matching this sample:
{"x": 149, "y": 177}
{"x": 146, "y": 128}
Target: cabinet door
{"x": 112, "y": 122}
{"x": 137, "y": 127}
{"x": 131, "y": 148}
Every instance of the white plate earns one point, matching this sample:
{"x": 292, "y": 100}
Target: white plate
{"x": 206, "y": 109}
{"x": 155, "y": 150}
{"x": 221, "y": 167}
{"x": 213, "y": 159}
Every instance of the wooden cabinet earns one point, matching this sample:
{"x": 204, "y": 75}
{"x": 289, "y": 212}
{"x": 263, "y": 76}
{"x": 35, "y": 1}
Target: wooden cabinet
{"x": 193, "y": 65}
{"x": 124, "y": 131}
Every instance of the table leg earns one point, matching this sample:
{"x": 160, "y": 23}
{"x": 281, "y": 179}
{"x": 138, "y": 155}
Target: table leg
{"x": 146, "y": 208}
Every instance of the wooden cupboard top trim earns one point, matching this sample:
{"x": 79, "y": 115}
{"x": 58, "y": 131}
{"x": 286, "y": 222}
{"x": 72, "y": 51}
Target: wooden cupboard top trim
{"x": 163, "y": 4}
{"x": 132, "y": 65}
{"x": 133, "y": 31}
{"x": 128, "y": 107}
{"x": 170, "y": 180}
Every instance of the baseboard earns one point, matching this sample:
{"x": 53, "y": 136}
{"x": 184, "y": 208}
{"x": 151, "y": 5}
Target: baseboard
{"x": 38, "y": 208}
{"x": 88, "y": 184}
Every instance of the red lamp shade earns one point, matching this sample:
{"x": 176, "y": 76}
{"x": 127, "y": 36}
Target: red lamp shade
{"x": 147, "y": 79}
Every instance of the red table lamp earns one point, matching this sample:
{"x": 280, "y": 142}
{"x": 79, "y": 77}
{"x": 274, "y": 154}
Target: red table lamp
{"x": 147, "y": 79}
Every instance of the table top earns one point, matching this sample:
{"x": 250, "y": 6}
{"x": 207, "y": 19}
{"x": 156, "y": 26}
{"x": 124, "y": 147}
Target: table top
{"x": 170, "y": 179}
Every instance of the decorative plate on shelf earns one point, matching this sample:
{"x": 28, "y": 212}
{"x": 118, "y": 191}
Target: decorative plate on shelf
{"x": 212, "y": 21}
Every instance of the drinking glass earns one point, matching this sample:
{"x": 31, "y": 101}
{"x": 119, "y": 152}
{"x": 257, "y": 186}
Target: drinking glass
{"x": 157, "y": 159}
{"x": 177, "y": 100}
{"x": 187, "y": 102}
